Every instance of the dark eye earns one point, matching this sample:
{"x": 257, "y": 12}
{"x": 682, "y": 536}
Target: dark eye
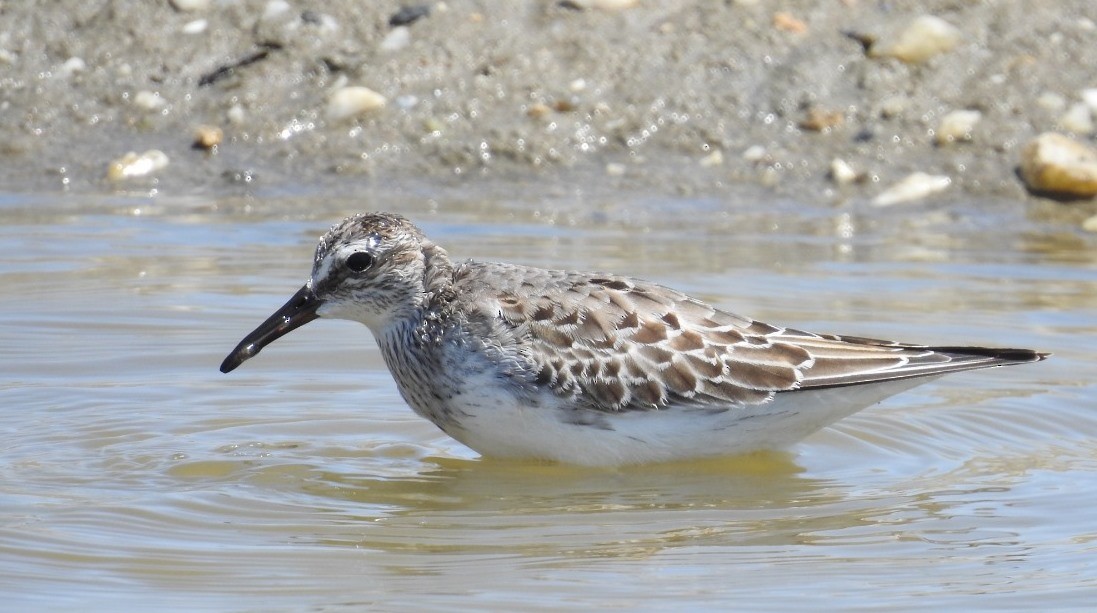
{"x": 359, "y": 261}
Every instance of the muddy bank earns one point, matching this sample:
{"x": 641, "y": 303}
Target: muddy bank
{"x": 668, "y": 95}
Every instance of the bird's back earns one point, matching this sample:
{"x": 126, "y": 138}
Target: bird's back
{"x": 614, "y": 343}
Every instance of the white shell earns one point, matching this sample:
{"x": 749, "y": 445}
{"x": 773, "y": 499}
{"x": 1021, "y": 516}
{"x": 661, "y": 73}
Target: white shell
{"x": 133, "y": 165}
{"x": 915, "y": 187}
{"x": 922, "y": 39}
{"x": 347, "y": 102}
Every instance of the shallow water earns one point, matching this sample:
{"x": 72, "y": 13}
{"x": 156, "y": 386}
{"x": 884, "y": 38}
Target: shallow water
{"x": 134, "y": 473}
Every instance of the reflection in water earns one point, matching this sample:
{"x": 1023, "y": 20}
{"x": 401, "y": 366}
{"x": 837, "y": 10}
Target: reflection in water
{"x": 511, "y": 489}
{"x": 133, "y": 472}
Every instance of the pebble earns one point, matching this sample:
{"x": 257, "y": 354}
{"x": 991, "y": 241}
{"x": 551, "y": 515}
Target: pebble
{"x": 1090, "y": 224}
{"x": 914, "y": 187}
{"x": 754, "y": 153}
{"x": 615, "y": 169}
{"x": 325, "y": 23}
{"x": 190, "y": 5}
{"x": 208, "y": 137}
{"x": 150, "y": 101}
{"x": 893, "y": 106}
{"x": 397, "y": 38}
{"x": 351, "y": 101}
{"x": 1051, "y": 101}
{"x": 433, "y": 125}
{"x": 1078, "y": 119}
{"x": 236, "y": 114}
{"x": 408, "y": 15}
{"x": 1089, "y": 96}
{"x": 787, "y": 22}
{"x": 195, "y": 27}
{"x": 538, "y": 110}
{"x": 275, "y": 8}
{"x": 716, "y": 158}
{"x": 920, "y": 40}
{"x": 72, "y": 66}
{"x": 841, "y": 172}
{"x": 564, "y": 106}
{"x": 1053, "y": 163}
{"x": 133, "y": 165}
{"x": 957, "y": 126}
{"x": 769, "y": 177}
{"x": 819, "y": 120}
{"x": 605, "y": 5}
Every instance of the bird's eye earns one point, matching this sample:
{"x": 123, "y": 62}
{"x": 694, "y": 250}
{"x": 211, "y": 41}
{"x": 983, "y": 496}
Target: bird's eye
{"x": 359, "y": 261}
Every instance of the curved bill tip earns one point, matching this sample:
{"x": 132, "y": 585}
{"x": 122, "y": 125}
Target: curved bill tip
{"x": 241, "y": 354}
{"x": 296, "y": 312}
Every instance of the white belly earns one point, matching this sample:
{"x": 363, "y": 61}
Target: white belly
{"x": 499, "y": 426}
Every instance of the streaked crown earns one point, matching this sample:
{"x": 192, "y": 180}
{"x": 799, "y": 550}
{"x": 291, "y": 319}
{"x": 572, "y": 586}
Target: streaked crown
{"x": 370, "y": 268}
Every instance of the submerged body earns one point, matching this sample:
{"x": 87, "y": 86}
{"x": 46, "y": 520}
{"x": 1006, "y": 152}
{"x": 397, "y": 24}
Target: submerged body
{"x": 590, "y": 368}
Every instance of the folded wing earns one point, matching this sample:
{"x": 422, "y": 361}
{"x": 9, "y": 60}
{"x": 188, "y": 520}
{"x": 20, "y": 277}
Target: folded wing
{"x": 615, "y": 343}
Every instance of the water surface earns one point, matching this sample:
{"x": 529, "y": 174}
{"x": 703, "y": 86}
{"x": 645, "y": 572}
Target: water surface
{"x": 133, "y": 473}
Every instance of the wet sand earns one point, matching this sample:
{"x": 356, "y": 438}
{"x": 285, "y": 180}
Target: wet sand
{"x": 677, "y": 97}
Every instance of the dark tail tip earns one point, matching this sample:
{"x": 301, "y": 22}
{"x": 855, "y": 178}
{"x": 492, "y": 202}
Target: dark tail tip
{"x": 1005, "y": 355}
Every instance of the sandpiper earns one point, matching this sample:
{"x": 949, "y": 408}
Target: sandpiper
{"x": 590, "y": 368}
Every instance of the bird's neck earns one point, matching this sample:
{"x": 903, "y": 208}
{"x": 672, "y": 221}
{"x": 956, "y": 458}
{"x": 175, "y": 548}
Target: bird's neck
{"x": 437, "y": 275}
{"x": 422, "y": 317}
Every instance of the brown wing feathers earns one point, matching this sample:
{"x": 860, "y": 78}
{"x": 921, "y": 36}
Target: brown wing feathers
{"x": 636, "y": 346}
{"x": 618, "y": 343}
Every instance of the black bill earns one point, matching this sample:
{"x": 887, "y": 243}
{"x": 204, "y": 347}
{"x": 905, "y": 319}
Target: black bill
{"x": 298, "y": 311}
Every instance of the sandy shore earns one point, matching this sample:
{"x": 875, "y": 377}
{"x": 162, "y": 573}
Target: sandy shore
{"x": 672, "y": 95}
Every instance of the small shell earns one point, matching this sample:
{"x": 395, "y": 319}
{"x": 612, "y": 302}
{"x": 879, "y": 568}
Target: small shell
{"x": 132, "y": 165}
{"x": 957, "y": 126}
{"x": 920, "y": 40}
{"x": 821, "y": 120}
{"x": 842, "y": 173}
{"x": 914, "y": 187}
{"x": 195, "y": 27}
{"x": 208, "y": 137}
{"x": 347, "y": 102}
{"x": 785, "y": 21}
{"x": 397, "y": 38}
{"x": 190, "y": 5}
{"x": 605, "y": 5}
{"x": 150, "y": 101}
{"x": 1056, "y": 164}
{"x": 716, "y": 158}
{"x": 1089, "y": 96}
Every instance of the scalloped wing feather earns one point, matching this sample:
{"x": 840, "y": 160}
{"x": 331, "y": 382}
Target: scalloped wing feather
{"x": 614, "y": 343}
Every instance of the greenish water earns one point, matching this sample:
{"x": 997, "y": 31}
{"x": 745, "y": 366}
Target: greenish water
{"x": 133, "y": 474}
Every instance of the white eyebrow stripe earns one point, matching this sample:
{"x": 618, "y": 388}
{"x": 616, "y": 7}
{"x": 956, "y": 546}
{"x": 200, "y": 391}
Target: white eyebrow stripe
{"x": 323, "y": 268}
